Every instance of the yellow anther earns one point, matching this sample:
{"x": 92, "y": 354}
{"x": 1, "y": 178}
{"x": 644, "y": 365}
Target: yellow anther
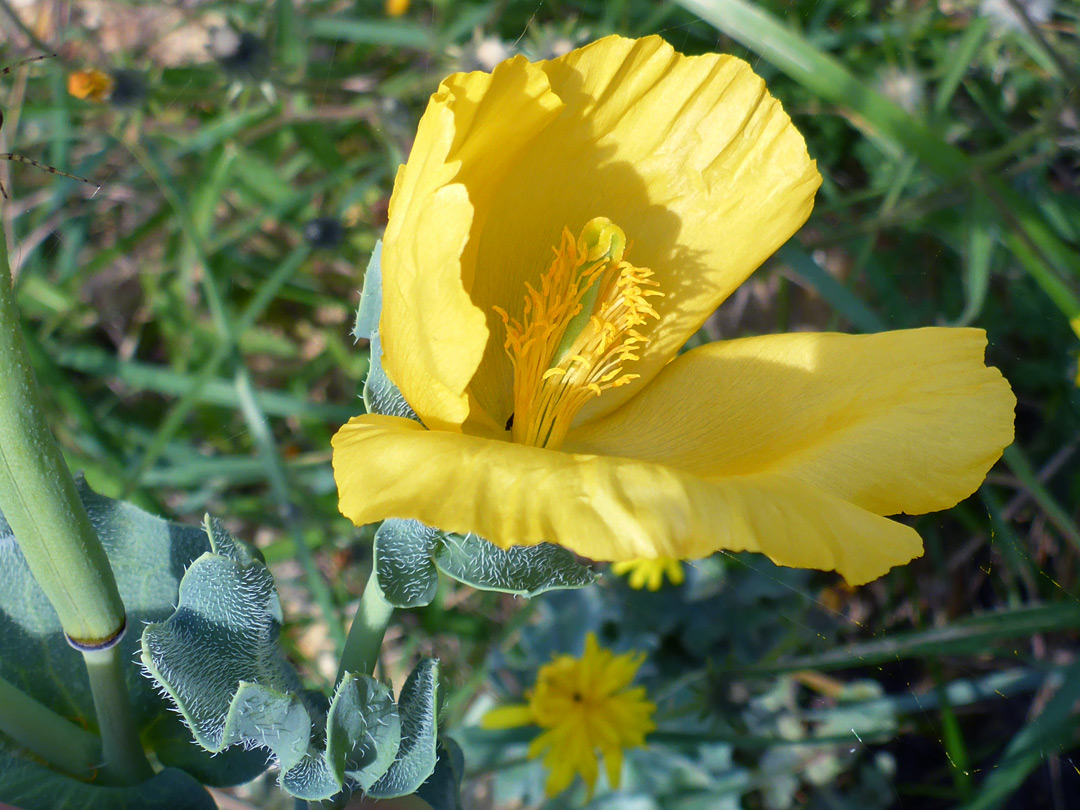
{"x": 576, "y": 333}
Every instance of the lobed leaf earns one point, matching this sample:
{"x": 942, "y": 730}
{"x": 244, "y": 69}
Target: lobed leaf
{"x": 442, "y": 790}
{"x": 416, "y": 758}
{"x": 30, "y": 785}
{"x": 408, "y": 556}
{"x": 380, "y": 393}
{"x": 363, "y": 711}
{"x": 148, "y": 556}
{"x": 523, "y": 570}
{"x": 367, "y": 316}
{"x": 217, "y": 657}
{"x": 404, "y": 563}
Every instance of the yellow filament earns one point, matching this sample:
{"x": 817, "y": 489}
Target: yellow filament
{"x": 576, "y": 333}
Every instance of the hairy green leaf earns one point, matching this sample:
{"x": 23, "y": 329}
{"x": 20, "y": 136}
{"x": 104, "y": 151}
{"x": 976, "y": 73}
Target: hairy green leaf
{"x": 404, "y": 562}
{"x": 218, "y": 658}
{"x": 367, "y": 316}
{"x": 365, "y": 716}
{"x": 415, "y": 761}
{"x": 29, "y": 785}
{"x": 523, "y": 570}
{"x": 380, "y": 394}
{"x": 148, "y": 556}
{"x": 442, "y": 790}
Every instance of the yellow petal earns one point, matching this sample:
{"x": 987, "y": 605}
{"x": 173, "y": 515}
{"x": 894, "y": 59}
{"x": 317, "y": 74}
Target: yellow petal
{"x": 895, "y": 422}
{"x": 433, "y": 336}
{"x": 588, "y": 765}
{"x": 513, "y": 716}
{"x": 675, "y": 572}
{"x": 613, "y": 761}
{"x": 689, "y": 155}
{"x": 602, "y": 507}
{"x": 566, "y": 757}
{"x": 545, "y": 742}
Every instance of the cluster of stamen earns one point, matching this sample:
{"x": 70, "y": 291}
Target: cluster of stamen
{"x": 576, "y": 333}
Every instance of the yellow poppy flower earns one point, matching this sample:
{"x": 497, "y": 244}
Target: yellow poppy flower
{"x": 93, "y": 84}
{"x": 587, "y": 709}
{"x": 558, "y": 233}
{"x": 649, "y": 573}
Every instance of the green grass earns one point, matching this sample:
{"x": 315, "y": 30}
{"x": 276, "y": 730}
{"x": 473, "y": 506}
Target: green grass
{"x": 195, "y": 350}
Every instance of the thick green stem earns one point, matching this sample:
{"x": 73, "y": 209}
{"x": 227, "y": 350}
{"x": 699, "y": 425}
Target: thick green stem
{"x": 41, "y": 731}
{"x": 120, "y": 739}
{"x": 39, "y": 500}
{"x": 41, "y": 504}
{"x": 368, "y": 628}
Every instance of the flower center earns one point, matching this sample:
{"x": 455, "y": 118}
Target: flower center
{"x": 576, "y": 333}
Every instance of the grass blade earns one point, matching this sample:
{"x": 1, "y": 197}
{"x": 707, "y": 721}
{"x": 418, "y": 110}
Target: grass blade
{"x": 962, "y": 637}
{"x": 1055, "y": 728}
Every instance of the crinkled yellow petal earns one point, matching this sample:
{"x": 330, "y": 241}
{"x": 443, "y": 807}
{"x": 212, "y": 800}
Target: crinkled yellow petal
{"x": 897, "y": 422}
{"x": 605, "y": 508}
{"x": 473, "y": 130}
{"x": 513, "y": 716}
{"x": 689, "y": 155}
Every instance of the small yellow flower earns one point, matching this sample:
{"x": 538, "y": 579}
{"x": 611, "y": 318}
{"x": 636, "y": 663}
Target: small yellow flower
{"x": 587, "y": 709}
{"x": 649, "y": 573}
{"x": 560, "y": 230}
{"x": 92, "y": 85}
{"x": 396, "y": 8}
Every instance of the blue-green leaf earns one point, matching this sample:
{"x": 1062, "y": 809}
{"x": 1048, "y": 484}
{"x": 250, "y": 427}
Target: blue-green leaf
{"x": 218, "y": 658}
{"x": 522, "y": 570}
{"x": 404, "y": 562}
{"x": 363, "y": 730}
{"x": 442, "y": 790}
{"x": 367, "y": 316}
{"x": 380, "y": 394}
{"x": 30, "y": 785}
{"x": 228, "y": 614}
{"x": 148, "y": 556}
{"x": 408, "y": 556}
{"x": 415, "y": 762}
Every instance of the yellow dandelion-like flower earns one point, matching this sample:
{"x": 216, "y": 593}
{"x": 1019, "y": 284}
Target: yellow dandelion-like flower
{"x": 396, "y": 8}
{"x": 649, "y": 573}
{"x": 587, "y": 710}
{"x": 560, "y": 230}
{"x": 92, "y": 84}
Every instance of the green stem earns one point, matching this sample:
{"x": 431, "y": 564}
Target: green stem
{"x": 368, "y": 628}
{"x": 39, "y": 499}
{"x": 41, "y": 504}
{"x": 41, "y": 731}
{"x": 121, "y": 745}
